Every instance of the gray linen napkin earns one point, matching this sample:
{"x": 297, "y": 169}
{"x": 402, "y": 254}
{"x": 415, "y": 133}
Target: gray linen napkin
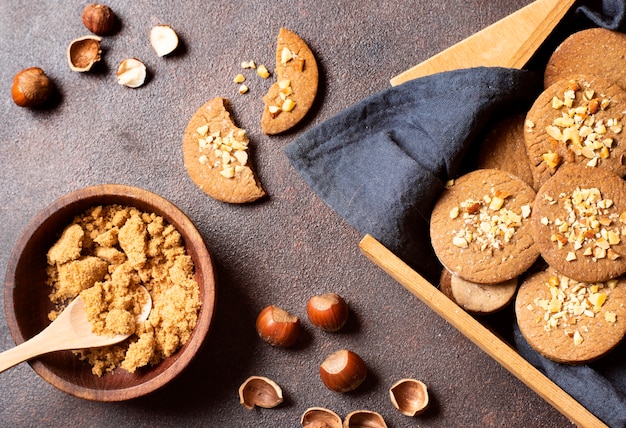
{"x": 382, "y": 163}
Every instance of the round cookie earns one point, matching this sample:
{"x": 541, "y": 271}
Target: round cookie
{"x": 569, "y": 321}
{"x": 477, "y": 298}
{"x": 504, "y": 148}
{"x": 578, "y": 221}
{"x": 595, "y": 51}
{"x": 480, "y": 227}
{"x": 576, "y": 120}
{"x": 215, "y": 152}
{"x": 291, "y": 97}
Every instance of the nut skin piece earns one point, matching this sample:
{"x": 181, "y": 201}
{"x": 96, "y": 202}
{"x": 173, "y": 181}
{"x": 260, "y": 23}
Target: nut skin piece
{"x": 260, "y": 391}
{"x": 409, "y": 397}
{"x": 364, "y": 419}
{"x": 343, "y": 371}
{"x": 83, "y": 53}
{"x": 31, "y": 87}
{"x": 99, "y": 19}
{"x": 327, "y": 311}
{"x": 318, "y": 417}
{"x": 278, "y": 327}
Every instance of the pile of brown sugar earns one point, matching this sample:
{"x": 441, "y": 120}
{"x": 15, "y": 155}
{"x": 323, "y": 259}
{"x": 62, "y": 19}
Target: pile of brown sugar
{"x": 105, "y": 255}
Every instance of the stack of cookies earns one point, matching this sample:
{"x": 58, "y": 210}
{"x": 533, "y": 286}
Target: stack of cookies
{"x": 542, "y": 221}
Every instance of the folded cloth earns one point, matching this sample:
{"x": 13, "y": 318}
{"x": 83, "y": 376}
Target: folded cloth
{"x": 382, "y": 163}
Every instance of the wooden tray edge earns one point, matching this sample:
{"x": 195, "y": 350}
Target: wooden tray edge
{"x": 482, "y": 337}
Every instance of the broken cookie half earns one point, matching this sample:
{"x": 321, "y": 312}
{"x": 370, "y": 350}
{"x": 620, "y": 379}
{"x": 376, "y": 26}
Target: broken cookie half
{"x": 291, "y": 97}
{"x": 216, "y": 155}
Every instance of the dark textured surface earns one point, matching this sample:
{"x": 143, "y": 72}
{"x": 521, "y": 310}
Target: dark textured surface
{"x": 280, "y": 251}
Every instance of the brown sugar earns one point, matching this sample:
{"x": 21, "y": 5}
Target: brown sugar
{"x": 105, "y": 255}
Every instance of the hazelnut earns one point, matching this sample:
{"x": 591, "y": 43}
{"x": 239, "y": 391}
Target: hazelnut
{"x": 409, "y": 396}
{"x": 31, "y": 87}
{"x": 327, "y": 311}
{"x": 83, "y": 53}
{"x": 343, "y": 371}
{"x": 315, "y": 417}
{"x": 131, "y": 72}
{"x": 364, "y": 419}
{"x": 99, "y": 19}
{"x": 163, "y": 39}
{"x": 260, "y": 391}
{"x": 278, "y": 327}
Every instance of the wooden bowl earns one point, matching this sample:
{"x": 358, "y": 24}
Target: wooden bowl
{"x": 27, "y": 304}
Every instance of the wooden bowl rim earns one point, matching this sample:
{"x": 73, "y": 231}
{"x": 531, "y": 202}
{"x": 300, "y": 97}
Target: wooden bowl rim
{"x": 77, "y": 202}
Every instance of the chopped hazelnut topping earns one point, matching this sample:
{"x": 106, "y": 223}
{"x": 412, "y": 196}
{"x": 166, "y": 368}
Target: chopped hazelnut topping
{"x": 579, "y": 128}
{"x": 571, "y": 301}
{"x": 487, "y": 223}
{"x": 243, "y": 89}
{"x": 262, "y": 71}
{"x": 248, "y": 64}
{"x": 240, "y": 78}
{"x": 226, "y": 151}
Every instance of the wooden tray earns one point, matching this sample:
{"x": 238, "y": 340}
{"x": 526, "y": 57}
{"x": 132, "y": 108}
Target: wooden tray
{"x": 519, "y": 35}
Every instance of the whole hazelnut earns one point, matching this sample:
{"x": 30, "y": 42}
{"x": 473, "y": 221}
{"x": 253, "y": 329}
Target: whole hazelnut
{"x": 31, "y": 87}
{"x": 278, "y": 327}
{"x": 327, "y": 311}
{"x": 99, "y": 19}
{"x": 343, "y": 371}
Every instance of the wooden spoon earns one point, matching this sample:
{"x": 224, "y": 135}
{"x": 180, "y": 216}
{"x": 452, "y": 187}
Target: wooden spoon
{"x": 71, "y": 330}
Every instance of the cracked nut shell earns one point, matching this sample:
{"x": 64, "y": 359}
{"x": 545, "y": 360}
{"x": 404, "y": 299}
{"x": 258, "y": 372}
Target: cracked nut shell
{"x": 364, "y": 419}
{"x": 83, "y": 53}
{"x": 31, "y": 87}
{"x": 317, "y": 417}
{"x": 409, "y": 396}
{"x": 343, "y": 371}
{"x": 260, "y": 391}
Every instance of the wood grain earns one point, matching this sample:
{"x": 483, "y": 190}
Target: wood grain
{"x": 510, "y": 42}
{"x": 477, "y": 333}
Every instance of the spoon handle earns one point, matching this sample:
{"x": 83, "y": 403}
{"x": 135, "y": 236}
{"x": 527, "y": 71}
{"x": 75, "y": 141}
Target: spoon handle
{"x": 25, "y": 351}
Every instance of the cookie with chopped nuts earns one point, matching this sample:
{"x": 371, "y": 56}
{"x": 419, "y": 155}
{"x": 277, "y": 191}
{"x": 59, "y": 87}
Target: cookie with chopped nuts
{"x": 576, "y": 120}
{"x": 579, "y": 222}
{"x": 568, "y": 321}
{"x": 291, "y": 97}
{"x": 480, "y": 227}
{"x": 595, "y": 51}
{"x": 477, "y": 298}
{"x": 503, "y": 147}
{"x": 216, "y": 155}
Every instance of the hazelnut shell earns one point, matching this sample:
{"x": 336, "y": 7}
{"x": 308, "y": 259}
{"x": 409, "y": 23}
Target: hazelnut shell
{"x": 343, "y": 371}
{"x": 315, "y": 417}
{"x": 278, "y": 327}
{"x": 409, "y": 396}
{"x": 364, "y": 419}
{"x": 327, "y": 311}
{"x": 83, "y": 53}
{"x": 260, "y": 391}
{"x": 31, "y": 87}
{"x": 99, "y": 19}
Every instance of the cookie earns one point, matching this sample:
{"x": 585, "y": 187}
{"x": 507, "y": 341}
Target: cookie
{"x": 595, "y": 51}
{"x": 480, "y": 227}
{"x": 569, "y": 321}
{"x": 216, "y": 155}
{"x": 576, "y": 120}
{"x": 579, "y": 219}
{"x": 291, "y": 97}
{"x": 477, "y": 298}
{"x": 504, "y": 148}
